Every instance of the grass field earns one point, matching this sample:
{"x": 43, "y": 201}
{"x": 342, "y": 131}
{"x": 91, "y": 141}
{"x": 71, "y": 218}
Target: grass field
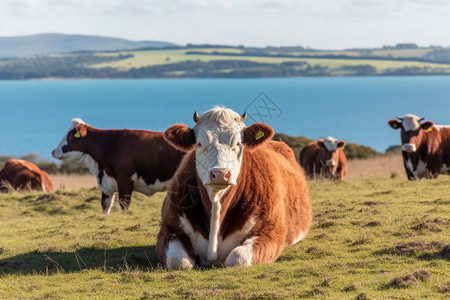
{"x": 374, "y": 236}
{"x": 160, "y": 57}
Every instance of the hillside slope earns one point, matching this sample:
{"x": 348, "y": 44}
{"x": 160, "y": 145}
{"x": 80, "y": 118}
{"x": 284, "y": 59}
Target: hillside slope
{"x": 51, "y": 43}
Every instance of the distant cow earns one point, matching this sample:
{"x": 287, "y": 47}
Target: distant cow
{"x": 425, "y": 146}
{"x": 122, "y": 160}
{"x": 325, "y": 158}
{"x": 238, "y": 198}
{"x": 21, "y": 174}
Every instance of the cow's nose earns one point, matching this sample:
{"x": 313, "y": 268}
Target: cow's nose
{"x": 330, "y": 163}
{"x": 409, "y": 148}
{"x": 219, "y": 175}
{"x": 53, "y": 153}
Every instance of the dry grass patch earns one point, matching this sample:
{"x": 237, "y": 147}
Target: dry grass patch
{"x": 73, "y": 182}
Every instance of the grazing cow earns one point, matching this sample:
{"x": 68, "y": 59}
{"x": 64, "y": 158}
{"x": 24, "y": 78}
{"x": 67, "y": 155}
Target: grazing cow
{"x": 237, "y": 198}
{"x": 324, "y": 157}
{"x": 21, "y": 174}
{"x": 425, "y": 146}
{"x": 122, "y": 160}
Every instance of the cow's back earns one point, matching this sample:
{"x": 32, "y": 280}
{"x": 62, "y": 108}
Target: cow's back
{"x": 272, "y": 174}
{"x": 143, "y": 152}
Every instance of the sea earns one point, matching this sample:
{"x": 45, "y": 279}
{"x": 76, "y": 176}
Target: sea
{"x": 35, "y": 115}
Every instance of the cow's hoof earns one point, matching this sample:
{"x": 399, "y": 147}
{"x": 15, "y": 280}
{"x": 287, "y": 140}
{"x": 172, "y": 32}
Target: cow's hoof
{"x": 179, "y": 263}
{"x": 177, "y": 258}
{"x": 240, "y": 256}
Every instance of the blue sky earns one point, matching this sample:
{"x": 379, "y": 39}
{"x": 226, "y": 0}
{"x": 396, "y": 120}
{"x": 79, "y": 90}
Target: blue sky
{"x": 323, "y": 24}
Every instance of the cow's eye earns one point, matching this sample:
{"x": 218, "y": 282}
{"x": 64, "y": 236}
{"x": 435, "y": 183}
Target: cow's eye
{"x": 199, "y": 144}
{"x": 238, "y": 144}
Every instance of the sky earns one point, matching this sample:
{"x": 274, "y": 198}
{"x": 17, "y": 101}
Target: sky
{"x": 319, "y": 24}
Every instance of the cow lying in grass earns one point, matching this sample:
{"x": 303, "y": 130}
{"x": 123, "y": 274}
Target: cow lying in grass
{"x": 238, "y": 198}
{"x": 20, "y": 174}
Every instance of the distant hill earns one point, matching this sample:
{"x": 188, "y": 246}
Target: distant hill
{"x": 52, "y": 43}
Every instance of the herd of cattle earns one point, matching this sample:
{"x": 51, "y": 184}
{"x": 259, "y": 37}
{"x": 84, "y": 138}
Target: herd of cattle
{"x": 235, "y": 196}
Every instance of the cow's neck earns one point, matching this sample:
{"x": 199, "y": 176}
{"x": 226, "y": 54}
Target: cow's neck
{"x": 97, "y": 144}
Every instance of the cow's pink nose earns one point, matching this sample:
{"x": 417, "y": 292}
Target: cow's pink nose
{"x": 53, "y": 153}
{"x": 219, "y": 175}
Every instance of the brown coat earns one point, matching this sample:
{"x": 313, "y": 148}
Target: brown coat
{"x": 431, "y": 155}
{"x": 124, "y": 160}
{"x": 22, "y": 174}
{"x": 315, "y": 161}
{"x": 271, "y": 194}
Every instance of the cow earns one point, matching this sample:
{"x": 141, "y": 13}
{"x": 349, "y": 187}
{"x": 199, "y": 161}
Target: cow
{"x": 325, "y": 157}
{"x": 237, "y": 199}
{"x": 425, "y": 146}
{"x": 21, "y": 175}
{"x": 122, "y": 160}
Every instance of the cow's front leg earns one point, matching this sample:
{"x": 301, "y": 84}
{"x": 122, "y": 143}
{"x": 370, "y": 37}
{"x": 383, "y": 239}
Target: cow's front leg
{"x": 107, "y": 202}
{"x": 125, "y": 190}
{"x": 254, "y": 250}
{"x": 177, "y": 257}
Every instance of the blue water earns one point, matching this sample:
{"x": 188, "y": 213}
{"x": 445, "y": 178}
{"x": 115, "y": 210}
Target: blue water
{"x": 34, "y": 115}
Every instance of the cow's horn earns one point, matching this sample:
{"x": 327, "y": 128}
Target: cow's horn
{"x": 244, "y": 116}
{"x": 195, "y": 116}
{"x": 421, "y": 119}
{"x": 400, "y": 118}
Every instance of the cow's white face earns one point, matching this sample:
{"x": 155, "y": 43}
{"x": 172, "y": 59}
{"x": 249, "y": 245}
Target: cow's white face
{"x": 62, "y": 151}
{"x": 219, "y": 137}
{"x": 331, "y": 156}
{"x": 412, "y": 131}
{"x": 218, "y": 152}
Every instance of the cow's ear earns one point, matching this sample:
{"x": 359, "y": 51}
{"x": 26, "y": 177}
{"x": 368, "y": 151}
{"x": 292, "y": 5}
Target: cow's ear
{"x": 256, "y": 134}
{"x": 427, "y": 126}
{"x": 321, "y": 143}
{"x": 342, "y": 144}
{"x": 81, "y": 130}
{"x": 395, "y": 124}
{"x": 180, "y": 136}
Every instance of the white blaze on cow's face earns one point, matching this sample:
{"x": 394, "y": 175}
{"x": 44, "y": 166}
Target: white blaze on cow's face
{"x": 331, "y": 144}
{"x": 413, "y": 131}
{"x": 60, "y": 153}
{"x": 219, "y": 147}
{"x": 411, "y": 122}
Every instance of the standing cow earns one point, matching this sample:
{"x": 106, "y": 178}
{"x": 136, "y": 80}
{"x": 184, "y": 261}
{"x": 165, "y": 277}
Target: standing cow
{"x": 238, "y": 198}
{"x": 122, "y": 160}
{"x": 21, "y": 174}
{"x": 324, "y": 158}
{"x": 425, "y": 146}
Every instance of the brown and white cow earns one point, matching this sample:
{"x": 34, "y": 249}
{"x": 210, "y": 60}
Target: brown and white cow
{"x": 238, "y": 198}
{"x": 324, "y": 157}
{"x": 123, "y": 160}
{"x": 21, "y": 174}
{"x": 425, "y": 146}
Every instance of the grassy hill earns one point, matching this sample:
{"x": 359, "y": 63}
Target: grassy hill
{"x": 209, "y": 61}
{"x": 51, "y": 43}
{"x": 374, "y": 238}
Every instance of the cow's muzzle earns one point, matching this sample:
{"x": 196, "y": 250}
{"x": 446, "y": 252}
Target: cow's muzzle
{"x": 410, "y": 148}
{"x": 330, "y": 163}
{"x": 220, "y": 177}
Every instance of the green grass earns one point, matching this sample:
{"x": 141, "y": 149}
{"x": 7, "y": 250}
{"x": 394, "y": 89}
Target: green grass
{"x": 367, "y": 237}
{"x": 160, "y": 57}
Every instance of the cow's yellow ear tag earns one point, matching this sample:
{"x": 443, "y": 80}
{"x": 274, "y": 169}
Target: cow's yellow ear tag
{"x": 77, "y": 134}
{"x": 259, "y": 135}
{"x": 429, "y": 129}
